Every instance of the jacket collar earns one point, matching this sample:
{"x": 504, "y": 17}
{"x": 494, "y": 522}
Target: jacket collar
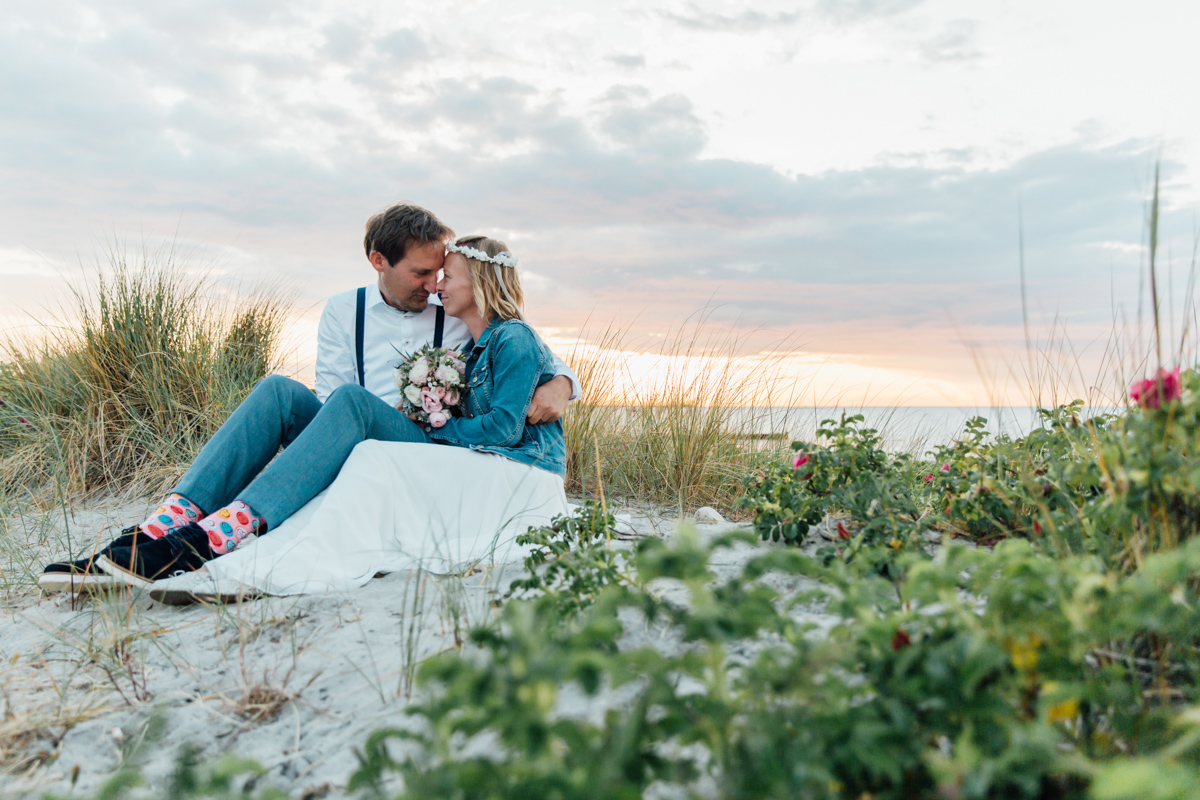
{"x": 487, "y": 334}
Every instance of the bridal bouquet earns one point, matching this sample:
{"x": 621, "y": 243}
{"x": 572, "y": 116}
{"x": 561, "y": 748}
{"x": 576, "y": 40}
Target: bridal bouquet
{"x": 431, "y": 384}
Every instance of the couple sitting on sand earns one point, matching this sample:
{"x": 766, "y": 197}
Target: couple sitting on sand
{"x": 360, "y": 488}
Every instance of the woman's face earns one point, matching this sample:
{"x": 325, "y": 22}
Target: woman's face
{"x": 458, "y": 296}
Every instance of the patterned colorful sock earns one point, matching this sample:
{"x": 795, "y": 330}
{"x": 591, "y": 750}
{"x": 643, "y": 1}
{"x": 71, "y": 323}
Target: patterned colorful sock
{"x": 228, "y": 526}
{"x": 175, "y": 512}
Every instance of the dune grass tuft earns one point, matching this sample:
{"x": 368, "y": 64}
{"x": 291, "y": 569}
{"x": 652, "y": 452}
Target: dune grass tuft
{"x": 674, "y": 426}
{"x": 123, "y": 398}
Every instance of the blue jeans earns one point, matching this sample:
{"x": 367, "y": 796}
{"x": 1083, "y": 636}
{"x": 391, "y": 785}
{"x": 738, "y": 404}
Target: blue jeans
{"x": 317, "y": 439}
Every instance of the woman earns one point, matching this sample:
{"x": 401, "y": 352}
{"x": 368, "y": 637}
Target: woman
{"x": 397, "y": 505}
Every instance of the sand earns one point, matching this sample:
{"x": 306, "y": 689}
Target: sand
{"x": 295, "y": 683}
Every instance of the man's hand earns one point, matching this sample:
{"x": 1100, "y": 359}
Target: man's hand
{"x": 550, "y": 400}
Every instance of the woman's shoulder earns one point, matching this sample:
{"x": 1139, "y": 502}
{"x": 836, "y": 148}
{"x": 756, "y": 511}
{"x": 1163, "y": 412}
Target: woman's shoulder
{"x": 515, "y": 330}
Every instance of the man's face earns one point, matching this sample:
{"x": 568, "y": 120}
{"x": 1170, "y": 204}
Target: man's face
{"x": 407, "y": 284}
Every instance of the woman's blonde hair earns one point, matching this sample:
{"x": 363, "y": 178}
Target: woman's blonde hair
{"x": 490, "y": 295}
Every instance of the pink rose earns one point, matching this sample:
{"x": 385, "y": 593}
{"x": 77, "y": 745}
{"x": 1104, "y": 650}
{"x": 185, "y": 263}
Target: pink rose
{"x": 1146, "y": 393}
{"x": 438, "y": 392}
{"x": 945, "y": 467}
{"x": 799, "y": 461}
{"x": 438, "y": 418}
{"x": 429, "y": 402}
{"x": 928, "y": 477}
{"x": 451, "y": 398}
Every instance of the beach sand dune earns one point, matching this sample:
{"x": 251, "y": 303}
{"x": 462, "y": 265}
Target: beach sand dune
{"x": 296, "y": 683}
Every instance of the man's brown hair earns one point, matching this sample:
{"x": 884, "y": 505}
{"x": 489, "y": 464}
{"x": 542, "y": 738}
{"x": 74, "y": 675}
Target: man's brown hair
{"x": 391, "y": 232}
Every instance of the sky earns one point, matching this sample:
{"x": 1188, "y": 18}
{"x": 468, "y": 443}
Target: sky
{"x": 843, "y": 186}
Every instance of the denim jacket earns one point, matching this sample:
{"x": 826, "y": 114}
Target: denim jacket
{"x": 504, "y": 368}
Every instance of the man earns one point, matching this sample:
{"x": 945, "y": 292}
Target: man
{"x": 234, "y": 488}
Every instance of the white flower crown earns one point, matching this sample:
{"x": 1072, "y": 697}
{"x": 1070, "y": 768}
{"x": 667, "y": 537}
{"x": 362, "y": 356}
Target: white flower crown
{"x": 503, "y": 258}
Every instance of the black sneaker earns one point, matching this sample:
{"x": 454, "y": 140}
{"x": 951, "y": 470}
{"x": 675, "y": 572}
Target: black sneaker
{"x": 84, "y": 575}
{"x": 185, "y": 550}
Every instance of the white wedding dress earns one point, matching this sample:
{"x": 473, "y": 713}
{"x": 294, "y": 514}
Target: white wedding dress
{"x": 395, "y": 506}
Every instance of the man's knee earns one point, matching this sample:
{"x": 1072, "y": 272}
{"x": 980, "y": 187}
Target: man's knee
{"x": 280, "y": 384}
{"x": 349, "y": 394}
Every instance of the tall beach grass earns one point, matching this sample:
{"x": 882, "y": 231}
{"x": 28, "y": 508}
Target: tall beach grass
{"x": 123, "y": 398}
{"x": 676, "y": 431}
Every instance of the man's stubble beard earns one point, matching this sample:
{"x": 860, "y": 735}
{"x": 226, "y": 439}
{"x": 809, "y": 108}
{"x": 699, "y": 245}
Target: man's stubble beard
{"x": 408, "y": 304}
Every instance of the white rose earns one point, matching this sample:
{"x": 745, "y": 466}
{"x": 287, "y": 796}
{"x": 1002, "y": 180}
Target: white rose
{"x": 413, "y": 393}
{"x": 419, "y": 371}
{"x": 446, "y": 375}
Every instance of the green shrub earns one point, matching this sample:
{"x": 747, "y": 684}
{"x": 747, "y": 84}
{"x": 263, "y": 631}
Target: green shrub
{"x": 572, "y": 562}
{"x": 923, "y": 690}
{"x": 849, "y": 472}
{"x": 1118, "y": 486}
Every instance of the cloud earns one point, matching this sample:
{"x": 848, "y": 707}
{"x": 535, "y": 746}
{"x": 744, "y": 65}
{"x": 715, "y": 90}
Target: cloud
{"x": 665, "y": 126}
{"x": 694, "y": 17}
{"x": 957, "y": 42}
{"x": 627, "y": 61}
{"x": 853, "y": 10}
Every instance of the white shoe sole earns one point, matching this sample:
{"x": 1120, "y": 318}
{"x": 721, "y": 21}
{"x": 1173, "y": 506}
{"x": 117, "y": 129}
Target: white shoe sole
{"x": 182, "y": 597}
{"x": 122, "y": 575}
{"x": 185, "y": 597}
{"x": 51, "y": 582}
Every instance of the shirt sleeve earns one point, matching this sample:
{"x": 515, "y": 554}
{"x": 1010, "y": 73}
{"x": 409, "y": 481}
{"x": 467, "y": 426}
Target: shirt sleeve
{"x": 561, "y": 368}
{"x": 516, "y": 366}
{"x": 335, "y": 351}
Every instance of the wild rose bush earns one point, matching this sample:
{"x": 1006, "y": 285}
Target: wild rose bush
{"x": 978, "y": 675}
{"x": 851, "y": 472}
{"x": 1111, "y": 485}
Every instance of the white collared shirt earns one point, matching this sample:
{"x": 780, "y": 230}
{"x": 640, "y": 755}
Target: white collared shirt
{"x": 389, "y": 336}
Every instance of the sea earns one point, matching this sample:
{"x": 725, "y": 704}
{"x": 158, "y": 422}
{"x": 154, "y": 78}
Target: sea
{"x": 910, "y": 429}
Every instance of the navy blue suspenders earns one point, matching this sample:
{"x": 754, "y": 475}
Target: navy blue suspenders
{"x": 439, "y": 322}
{"x": 360, "y": 318}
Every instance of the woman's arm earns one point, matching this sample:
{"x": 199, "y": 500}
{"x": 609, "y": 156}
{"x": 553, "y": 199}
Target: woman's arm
{"x": 517, "y": 363}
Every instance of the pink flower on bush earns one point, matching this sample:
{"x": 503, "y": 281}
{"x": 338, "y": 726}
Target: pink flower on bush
{"x": 799, "y": 461}
{"x": 429, "y": 402}
{"x": 928, "y": 477}
{"x": 438, "y": 418}
{"x": 1146, "y": 393}
{"x": 945, "y": 467}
